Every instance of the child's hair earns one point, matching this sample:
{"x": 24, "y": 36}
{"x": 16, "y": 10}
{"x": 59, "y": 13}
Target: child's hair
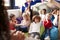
{"x": 48, "y": 14}
{"x": 36, "y": 17}
{"x": 27, "y": 16}
{"x": 44, "y": 10}
{"x": 11, "y": 16}
{"x": 55, "y": 10}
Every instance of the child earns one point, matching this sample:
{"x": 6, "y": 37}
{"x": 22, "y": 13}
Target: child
{"x": 26, "y": 19}
{"x": 24, "y": 23}
{"x": 55, "y": 21}
{"x": 12, "y": 22}
{"x": 34, "y": 30}
{"x": 47, "y": 24}
{"x": 42, "y": 14}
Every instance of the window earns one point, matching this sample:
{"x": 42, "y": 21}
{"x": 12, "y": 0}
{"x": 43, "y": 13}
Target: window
{"x": 7, "y": 2}
{"x": 19, "y": 2}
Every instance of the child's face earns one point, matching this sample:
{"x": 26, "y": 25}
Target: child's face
{"x": 48, "y": 16}
{"x": 43, "y": 12}
{"x": 36, "y": 20}
{"x": 14, "y": 18}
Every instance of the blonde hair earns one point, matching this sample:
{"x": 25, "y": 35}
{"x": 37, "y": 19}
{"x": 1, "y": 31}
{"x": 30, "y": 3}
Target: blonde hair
{"x": 48, "y": 14}
{"x": 27, "y": 15}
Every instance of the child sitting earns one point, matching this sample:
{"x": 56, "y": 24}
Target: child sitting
{"x": 34, "y": 30}
{"x": 55, "y": 21}
{"x": 47, "y": 24}
{"x": 24, "y": 23}
{"x": 12, "y": 22}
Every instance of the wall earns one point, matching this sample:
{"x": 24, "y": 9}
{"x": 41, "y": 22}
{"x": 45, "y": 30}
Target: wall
{"x": 16, "y": 12}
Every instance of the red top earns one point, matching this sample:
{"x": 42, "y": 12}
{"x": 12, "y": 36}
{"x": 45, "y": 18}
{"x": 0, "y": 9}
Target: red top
{"x": 12, "y": 25}
{"x": 47, "y": 24}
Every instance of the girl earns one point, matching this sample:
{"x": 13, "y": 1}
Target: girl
{"x": 15, "y": 34}
{"x": 24, "y": 23}
{"x": 13, "y": 22}
{"x": 35, "y": 27}
{"x": 55, "y": 21}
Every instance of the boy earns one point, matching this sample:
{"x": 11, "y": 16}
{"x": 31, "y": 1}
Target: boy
{"x": 34, "y": 30}
{"x": 47, "y": 24}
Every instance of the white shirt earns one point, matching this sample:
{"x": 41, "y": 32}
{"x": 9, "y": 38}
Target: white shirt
{"x": 25, "y": 23}
{"x": 55, "y": 20}
{"x": 42, "y": 16}
{"x": 35, "y": 27}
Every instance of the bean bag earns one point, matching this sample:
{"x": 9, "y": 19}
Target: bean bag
{"x": 54, "y": 33}
{"x": 42, "y": 29}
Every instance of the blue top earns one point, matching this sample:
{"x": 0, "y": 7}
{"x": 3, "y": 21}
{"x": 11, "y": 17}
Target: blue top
{"x": 32, "y": 3}
{"x": 52, "y": 18}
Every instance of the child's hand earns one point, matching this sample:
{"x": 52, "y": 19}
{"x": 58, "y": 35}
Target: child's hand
{"x": 47, "y": 20}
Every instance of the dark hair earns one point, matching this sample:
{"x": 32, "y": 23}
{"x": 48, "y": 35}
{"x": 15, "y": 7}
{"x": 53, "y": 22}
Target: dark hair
{"x": 4, "y": 23}
{"x": 36, "y": 17}
{"x": 44, "y": 10}
{"x": 55, "y": 9}
{"x": 11, "y": 16}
